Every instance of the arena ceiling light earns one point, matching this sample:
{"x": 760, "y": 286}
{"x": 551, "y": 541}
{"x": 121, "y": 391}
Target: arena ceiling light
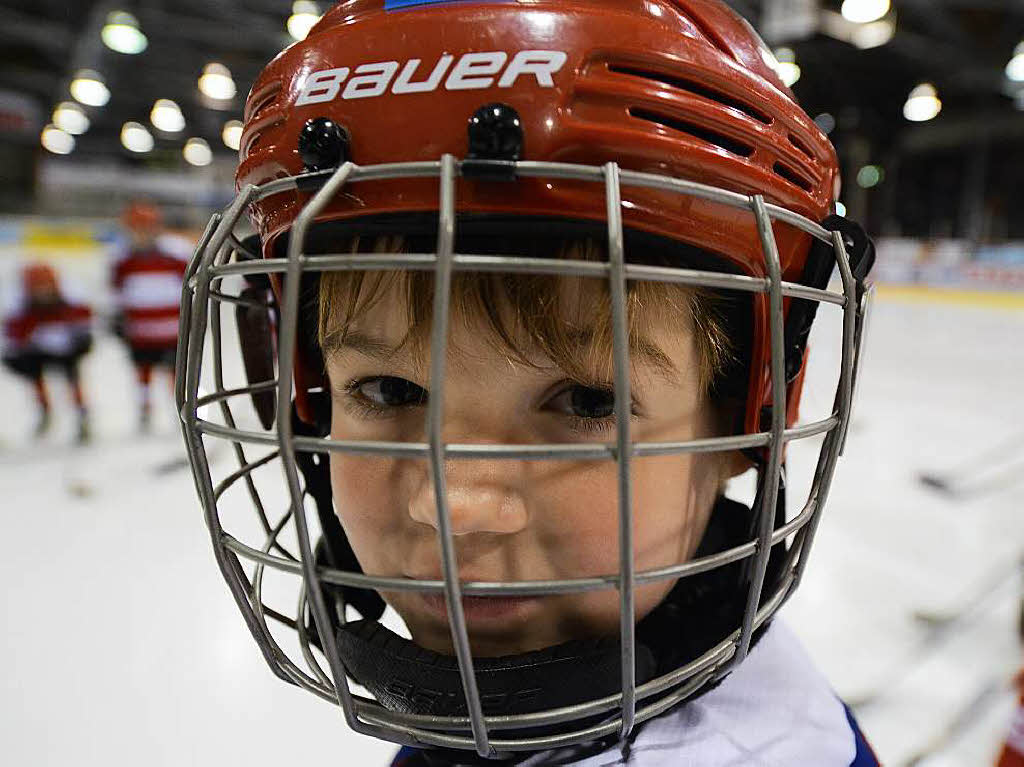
{"x": 121, "y": 33}
{"x": 56, "y": 140}
{"x": 232, "y": 134}
{"x": 1015, "y": 68}
{"x": 88, "y": 88}
{"x": 166, "y": 116}
{"x": 787, "y": 67}
{"x": 136, "y": 138}
{"x": 864, "y": 11}
{"x": 874, "y": 33}
{"x": 197, "y": 152}
{"x": 923, "y": 104}
{"x": 840, "y": 209}
{"x": 305, "y": 14}
{"x": 71, "y": 118}
{"x": 216, "y": 82}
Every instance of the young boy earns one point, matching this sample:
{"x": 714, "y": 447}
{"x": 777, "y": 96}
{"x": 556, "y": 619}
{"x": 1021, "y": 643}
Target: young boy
{"x": 45, "y": 330}
{"x": 530, "y": 362}
{"x": 537, "y": 312}
{"x": 146, "y": 282}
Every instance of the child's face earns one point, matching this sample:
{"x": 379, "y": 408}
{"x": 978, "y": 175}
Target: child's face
{"x": 143, "y": 236}
{"x": 513, "y": 519}
{"x": 45, "y": 293}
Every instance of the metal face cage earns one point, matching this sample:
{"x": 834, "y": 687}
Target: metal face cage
{"x": 218, "y": 259}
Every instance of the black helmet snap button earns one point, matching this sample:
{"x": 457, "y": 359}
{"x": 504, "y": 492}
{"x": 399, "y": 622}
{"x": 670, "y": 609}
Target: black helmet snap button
{"x": 323, "y": 144}
{"x": 495, "y": 133}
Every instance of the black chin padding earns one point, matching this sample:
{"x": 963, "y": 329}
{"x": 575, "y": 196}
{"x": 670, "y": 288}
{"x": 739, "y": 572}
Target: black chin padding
{"x": 407, "y": 678}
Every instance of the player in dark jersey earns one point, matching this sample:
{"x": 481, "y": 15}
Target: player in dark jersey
{"x": 44, "y": 331}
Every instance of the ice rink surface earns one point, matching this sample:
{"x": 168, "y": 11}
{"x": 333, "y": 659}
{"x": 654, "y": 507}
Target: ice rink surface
{"x": 123, "y": 645}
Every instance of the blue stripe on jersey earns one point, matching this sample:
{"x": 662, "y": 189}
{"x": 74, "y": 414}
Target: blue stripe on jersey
{"x": 864, "y": 757}
{"x": 405, "y": 756}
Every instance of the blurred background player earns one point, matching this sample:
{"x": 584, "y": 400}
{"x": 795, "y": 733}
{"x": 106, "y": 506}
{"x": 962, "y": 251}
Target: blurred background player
{"x": 146, "y": 283}
{"x": 46, "y": 330}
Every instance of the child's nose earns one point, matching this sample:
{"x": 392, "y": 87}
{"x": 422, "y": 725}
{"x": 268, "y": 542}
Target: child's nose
{"x": 480, "y": 499}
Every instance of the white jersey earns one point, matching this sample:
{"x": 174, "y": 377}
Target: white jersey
{"x": 775, "y": 710}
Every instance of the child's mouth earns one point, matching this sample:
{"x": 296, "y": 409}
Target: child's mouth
{"x": 479, "y": 610}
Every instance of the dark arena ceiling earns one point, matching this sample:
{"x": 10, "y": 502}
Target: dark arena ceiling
{"x": 961, "y": 46}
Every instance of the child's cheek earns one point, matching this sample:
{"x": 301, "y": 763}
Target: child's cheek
{"x": 573, "y": 516}
{"x": 577, "y": 514}
{"x": 366, "y": 501}
{"x": 668, "y": 510}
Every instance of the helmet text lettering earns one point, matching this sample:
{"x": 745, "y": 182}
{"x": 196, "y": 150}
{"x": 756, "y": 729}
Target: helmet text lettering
{"x": 471, "y": 71}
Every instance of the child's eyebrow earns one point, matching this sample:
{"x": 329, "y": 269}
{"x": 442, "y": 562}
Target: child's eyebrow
{"x": 368, "y": 346}
{"x": 642, "y": 350}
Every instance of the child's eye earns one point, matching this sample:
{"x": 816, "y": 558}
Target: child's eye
{"x": 587, "y": 409}
{"x": 388, "y": 391}
{"x": 581, "y": 401}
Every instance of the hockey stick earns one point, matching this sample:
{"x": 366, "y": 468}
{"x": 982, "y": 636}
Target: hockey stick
{"x": 975, "y": 476}
{"x": 957, "y": 487}
{"x": 178, "y": 462}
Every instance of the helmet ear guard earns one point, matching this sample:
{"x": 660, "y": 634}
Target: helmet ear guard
{"x": 821, "y": 263}
{"x": 256, "y": 316}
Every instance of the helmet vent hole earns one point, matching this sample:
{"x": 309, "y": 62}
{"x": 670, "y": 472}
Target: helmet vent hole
{"x": 700, "y": 89}
{"x": 793, "y": 177}
{"x": 258, "y": 102}
{"x": 801, "y": 146}
{"x": 260, "y": 115}
{"x": 697, "y": 131}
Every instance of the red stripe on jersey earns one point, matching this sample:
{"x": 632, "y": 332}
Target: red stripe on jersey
{"x": 148, "y": 283}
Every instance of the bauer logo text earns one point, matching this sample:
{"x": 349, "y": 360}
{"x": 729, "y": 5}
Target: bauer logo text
{"x": 470, "y": 71}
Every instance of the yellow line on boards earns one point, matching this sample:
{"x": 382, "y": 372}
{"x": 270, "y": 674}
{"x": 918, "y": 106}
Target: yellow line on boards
{"x": 925, "y": 294}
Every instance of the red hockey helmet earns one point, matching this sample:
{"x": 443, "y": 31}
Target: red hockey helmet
{"x": 683, "y": 88}
{"x": 39, "y": 278}
{"x": 142, "y": 217}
